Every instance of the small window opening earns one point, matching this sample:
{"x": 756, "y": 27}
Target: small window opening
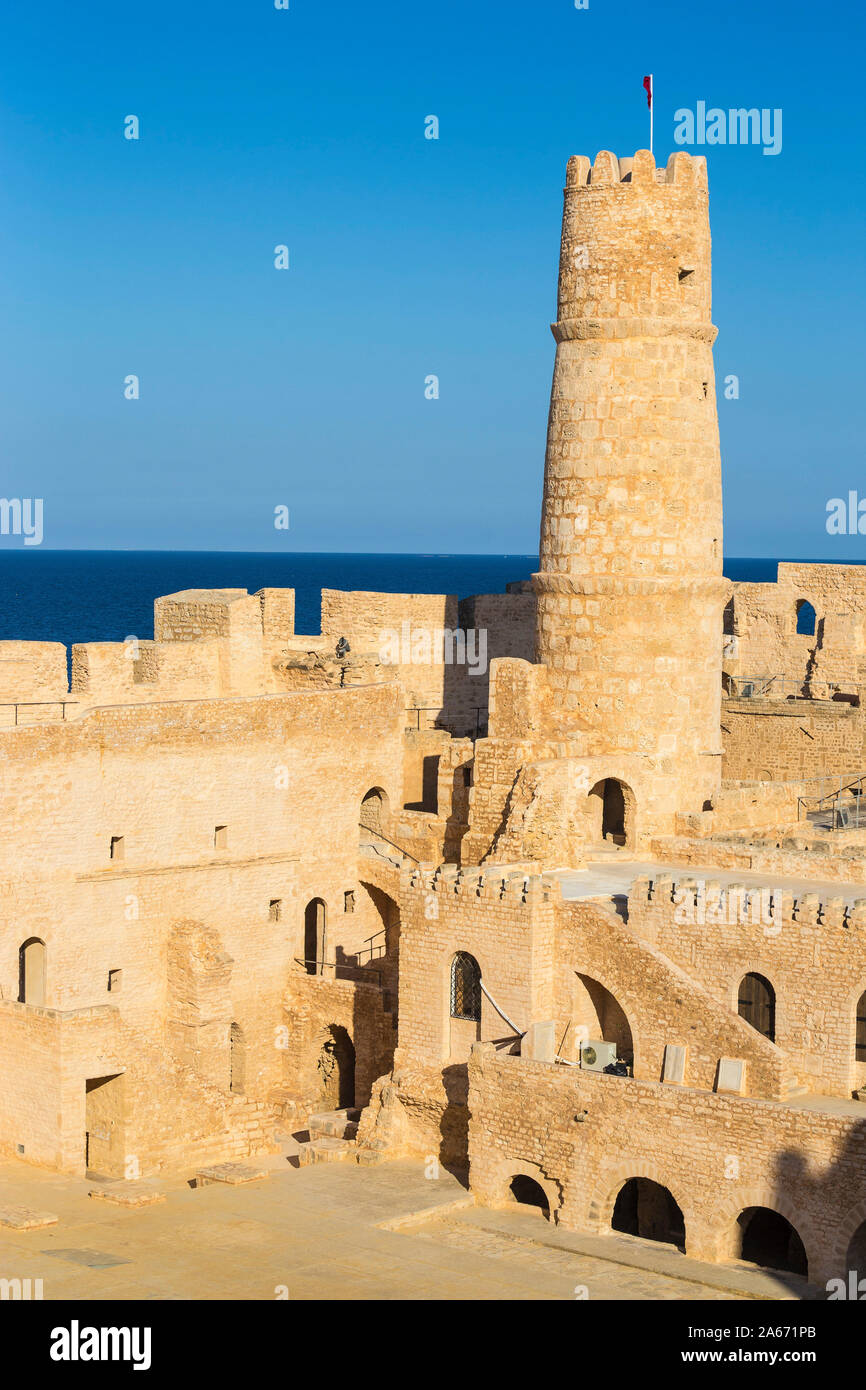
{"x": 116, "y": 848}
{"x": 275, "y": 909}
{"x": 806, "y": 618}
{"x": 115, "y": 980}
{"x": 220, "y": 837}
{"x": 685, "y": 272}
{"x": 349, "y": 901}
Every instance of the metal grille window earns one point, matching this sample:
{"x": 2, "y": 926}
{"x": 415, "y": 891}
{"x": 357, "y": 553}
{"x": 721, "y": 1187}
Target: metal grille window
{"x": 860, "y": 1048}
{"x": 465, "y": 987}
{"x": 756, "y": 1003}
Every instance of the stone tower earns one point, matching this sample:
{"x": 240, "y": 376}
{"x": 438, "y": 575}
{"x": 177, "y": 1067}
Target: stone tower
{"x": 630, "y": 589}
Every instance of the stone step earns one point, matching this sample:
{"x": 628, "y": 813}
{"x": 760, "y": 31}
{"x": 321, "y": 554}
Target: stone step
{"x": 234, "y": 1174}
{"x": 325, "y": 1150}
{"x": 337, "y": 1124}
{"x": 368, "y": 1158}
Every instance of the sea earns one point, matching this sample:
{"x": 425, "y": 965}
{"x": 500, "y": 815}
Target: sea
{"x": 107, "y": 595}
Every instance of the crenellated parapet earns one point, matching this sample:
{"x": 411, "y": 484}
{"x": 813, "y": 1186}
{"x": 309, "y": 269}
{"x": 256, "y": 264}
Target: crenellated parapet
{"x": 513, "y": 888}
{"x": 808, "y": 950}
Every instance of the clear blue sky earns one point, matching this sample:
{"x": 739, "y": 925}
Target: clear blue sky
{"x": 408, "y": 257}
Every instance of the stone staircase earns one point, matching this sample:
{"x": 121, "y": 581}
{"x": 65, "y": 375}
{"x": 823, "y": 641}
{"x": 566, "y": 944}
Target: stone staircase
{"x": 331, "y": 1137}
{"x": 792, "y": 1088}
{"x": 180, "y": 1115}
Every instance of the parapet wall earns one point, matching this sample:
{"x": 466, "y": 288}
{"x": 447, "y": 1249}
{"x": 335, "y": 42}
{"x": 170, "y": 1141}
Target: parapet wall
{"x": 811, "y": 950}
{"x": 762, "y": 627}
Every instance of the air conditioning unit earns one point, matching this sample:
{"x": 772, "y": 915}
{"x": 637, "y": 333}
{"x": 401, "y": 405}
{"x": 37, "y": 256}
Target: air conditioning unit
{"x": 595, "y": 1056}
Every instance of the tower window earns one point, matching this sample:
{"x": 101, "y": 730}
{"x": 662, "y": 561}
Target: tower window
{"x": 805, "y": 619}
{"x": 685, "y": 273}
{"x": 220, "y": 837}
{"x": 349, "y": 900}
{"x": 115, "y": 979}
{"x": 275, "y": 909}
{"x": 115, "y": 849}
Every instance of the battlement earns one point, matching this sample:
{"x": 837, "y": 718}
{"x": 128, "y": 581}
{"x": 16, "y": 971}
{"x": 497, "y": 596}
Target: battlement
{"x": 740, "y": 903}
{"x": 515, "y": 887}
{"x": 639, "y": 170}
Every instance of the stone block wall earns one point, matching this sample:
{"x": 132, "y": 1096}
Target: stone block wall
{"x": 583, "y": 1135}
{"x": 812, "y": 952}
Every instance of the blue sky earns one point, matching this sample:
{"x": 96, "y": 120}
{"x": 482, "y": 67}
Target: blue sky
{"x": 407, "y": 257}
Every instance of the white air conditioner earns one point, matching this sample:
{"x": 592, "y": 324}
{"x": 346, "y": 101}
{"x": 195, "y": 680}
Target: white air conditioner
{"x": 595, "y": 1056}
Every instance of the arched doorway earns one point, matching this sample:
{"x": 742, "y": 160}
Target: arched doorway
{"x": 529, "y": 1193}
{"x": 375, "y": 811}
{"x": 612, "y": 807}
{"x": 237, "y": 1059}
{"x": 315, "y": 928}
{"x": 336, "y": 1068}
{"x": 756, "y": 1003}
{"x": 769, "y": 1240}
{"x": 31, "y": 972}
{"x": 599, "y": 1017}
{"x": 644, "y": 1208}
{"x": 860, "y": 1032}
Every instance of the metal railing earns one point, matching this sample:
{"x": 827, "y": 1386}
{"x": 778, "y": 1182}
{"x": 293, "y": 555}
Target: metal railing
{"x": 30, "y": 704}
{"x": 837, "y": 808}
{"x": 786, "y": 688}
{"x": 418, "y": 710}
{"x": 405, "y": 853}
{"x": 375, "y": 947}
{"x": 359, "y": 973}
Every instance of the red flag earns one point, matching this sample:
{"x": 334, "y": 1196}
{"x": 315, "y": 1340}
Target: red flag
{"x": 648, "y": 88}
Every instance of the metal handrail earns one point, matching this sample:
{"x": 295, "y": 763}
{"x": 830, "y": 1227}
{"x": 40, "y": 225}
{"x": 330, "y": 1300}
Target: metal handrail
{"x": 432, "y": 709}
{"x": 404, "y": 852}
{"x": 365, "y": 970}
{"x": 27, "y": 704}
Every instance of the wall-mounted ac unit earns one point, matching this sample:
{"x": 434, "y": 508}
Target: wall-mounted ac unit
{"x": 595, "y": 1056}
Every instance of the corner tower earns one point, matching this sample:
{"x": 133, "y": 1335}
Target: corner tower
{"x": 630, "y": 589}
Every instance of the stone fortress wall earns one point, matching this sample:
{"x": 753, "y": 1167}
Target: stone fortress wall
{"x": 239, "y": 863}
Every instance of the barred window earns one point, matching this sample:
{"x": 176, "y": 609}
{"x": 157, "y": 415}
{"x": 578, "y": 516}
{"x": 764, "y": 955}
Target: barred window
{"x": 465, "y": 987}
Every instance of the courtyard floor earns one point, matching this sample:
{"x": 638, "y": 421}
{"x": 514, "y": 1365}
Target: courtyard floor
{"x": 336, "y": 1231}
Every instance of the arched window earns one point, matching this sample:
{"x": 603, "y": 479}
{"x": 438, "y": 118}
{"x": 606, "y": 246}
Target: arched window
{"x": 465, "y": 987}
{"x": 31, "y": 972}
{"x": 315, "y": 915}
{"x": 805, "y": 618}
{"x": 860, "y": 1041}
{"x": 756, "y": 1003}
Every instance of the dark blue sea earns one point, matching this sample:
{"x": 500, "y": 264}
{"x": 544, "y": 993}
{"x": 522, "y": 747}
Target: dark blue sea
{"x": 105, "y": 595}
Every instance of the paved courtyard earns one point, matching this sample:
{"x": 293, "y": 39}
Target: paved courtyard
{"x": 334, "y": 1231}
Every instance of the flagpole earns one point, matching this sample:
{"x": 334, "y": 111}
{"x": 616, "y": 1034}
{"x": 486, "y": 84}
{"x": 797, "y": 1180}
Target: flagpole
{"x": 652, "y": 94}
